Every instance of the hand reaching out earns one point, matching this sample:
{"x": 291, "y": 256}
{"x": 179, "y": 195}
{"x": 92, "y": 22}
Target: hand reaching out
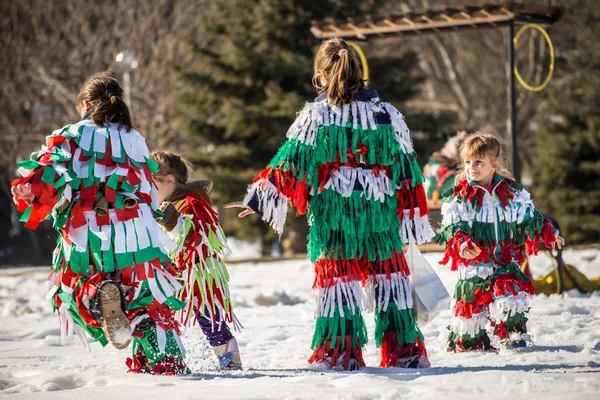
{"x": 239, "y": 204}
{"x": 22, "y": 192}
{"x": 560, "y": 242}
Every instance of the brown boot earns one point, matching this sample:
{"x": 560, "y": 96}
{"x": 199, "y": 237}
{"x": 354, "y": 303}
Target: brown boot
{"x": 110, "y": 309}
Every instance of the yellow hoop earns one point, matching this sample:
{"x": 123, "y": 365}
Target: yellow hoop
{"x": 363, "y": 59}
{"x": 550, "y": 72}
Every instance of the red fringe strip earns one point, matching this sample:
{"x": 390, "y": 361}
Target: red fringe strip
{"x": 168, "y": 366}
{"x": 479, "y": 304}
{"x": 392, "y": 351}
{"x": 327, "y": 269}
{"x": 296, "y": 191}
{"x": 509, "y": 284}
{"x": 409, "y": 198}
{"x": 453, "y": 250}
{"x": 546, "y": 236}
{"x": 509, "y": 252}
{"x": 321, "y": 353}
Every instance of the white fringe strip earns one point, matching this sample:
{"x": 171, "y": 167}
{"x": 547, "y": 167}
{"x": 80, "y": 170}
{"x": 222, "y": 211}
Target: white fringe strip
{"x": 400, "y": 128}
{"x": 272, "y": 204}
{"x": 463, "y": 326}
{"x": 344, "y": 179}
{"x": 331, "y": 298}
{"x": 360, "y": 113}
{"x": 517, "y": 210}
{"x": 470, "y": 271}
{"x": 504, "y": 307}
{"x": 381, "y": 290}
{"x": 417, "y": 229}
{"x": 94, "y": 138}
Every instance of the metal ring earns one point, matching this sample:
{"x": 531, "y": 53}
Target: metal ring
{"x": 363, "y": 59}
{"x": 550, "y": 72}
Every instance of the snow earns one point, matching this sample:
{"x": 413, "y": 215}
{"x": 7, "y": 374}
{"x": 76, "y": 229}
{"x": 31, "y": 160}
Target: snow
{"x": 276, "y": 306}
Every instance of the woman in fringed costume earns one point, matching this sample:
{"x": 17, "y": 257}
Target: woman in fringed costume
{"x": 201, "y": 245}
{"x": 112, "y": 277}
{"x": 486, "y": 220}
{"x": 350, "y": 166}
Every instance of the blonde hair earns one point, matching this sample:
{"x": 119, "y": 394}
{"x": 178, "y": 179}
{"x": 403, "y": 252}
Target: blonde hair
{"x": 337, "y": 72}
{"x": 482, "y": 145}
{"x": 171, "y": 164}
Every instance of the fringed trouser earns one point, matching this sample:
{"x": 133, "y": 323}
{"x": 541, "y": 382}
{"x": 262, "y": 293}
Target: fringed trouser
{"x": 498, "y": 296}
{"x": 340, "y": 329}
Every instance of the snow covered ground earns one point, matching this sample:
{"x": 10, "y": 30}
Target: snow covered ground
{"x": 275, "y": 304}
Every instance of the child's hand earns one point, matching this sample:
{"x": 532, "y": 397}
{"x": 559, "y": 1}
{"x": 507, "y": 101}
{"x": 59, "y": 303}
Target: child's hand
{"x": 560, "y": 242}
{"x": 469, "y": 254}
{"x": 239, "y": 204}
{"x": 22, "y": 192}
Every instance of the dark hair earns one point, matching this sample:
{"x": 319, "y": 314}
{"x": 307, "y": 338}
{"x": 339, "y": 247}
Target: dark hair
{"x": 105, "y": 95}
{"x": 170, "y": 164}
{"x": 337, "y": 71}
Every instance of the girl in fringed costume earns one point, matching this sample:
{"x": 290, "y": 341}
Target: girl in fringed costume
{"x": 485, "y": 222}
{"x": 350, "y": 166}
{"x": 112, "y": 277}
{"x": 201, "y": 245}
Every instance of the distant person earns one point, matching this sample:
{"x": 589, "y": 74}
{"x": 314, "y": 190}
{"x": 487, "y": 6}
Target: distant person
{"x": 441, "y": 168}
{"x": 111, "y": 275}
{"x": 485, "y": 222}
{"x": 201, "y": 245}
{"x": 349, "y": 164}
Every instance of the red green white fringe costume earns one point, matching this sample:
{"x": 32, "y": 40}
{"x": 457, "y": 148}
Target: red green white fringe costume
{"x": 201, "y": 247}
{"x": 353, "y": 171}
{"x": 80, "y": 165}
{"x": 491, "y": 290}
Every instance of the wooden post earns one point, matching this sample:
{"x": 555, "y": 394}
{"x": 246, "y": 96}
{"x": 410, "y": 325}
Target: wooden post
{"x": 516, "y": 166}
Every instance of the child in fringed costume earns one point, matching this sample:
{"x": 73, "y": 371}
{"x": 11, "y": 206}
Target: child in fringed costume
{"x": 110, "y": 271}
{"x": 486, "y": 220}
{"x": 201, "y": 245}
{"x": 350, "y": 166}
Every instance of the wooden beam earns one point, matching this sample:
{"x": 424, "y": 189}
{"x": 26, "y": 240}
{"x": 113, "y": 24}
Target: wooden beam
{"x": 349, "y": 30}
{"x": 434, "y": 21}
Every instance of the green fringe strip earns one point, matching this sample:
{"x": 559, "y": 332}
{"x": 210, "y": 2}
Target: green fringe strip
{"x": 469, "y": 342}
{"x": 515, "y": 323}
{"x": 145, "y": 297}
{"x": 401, "y": 321}
{"x": 334, "y": 140}
{"x": 350, "y": 227}
{"x": 484, "y": 231}
{"x": 299, "y": 155}
{"x": 511, "y": 268}
{"x": 67, "y": 298}
{"x": 338, "y": 326}
{"x": 464, "y": 289}
{"x": 107, "y": 260}
{"x": 149, "y": 345}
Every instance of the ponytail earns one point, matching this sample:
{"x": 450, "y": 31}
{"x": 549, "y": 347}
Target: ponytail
{"x": 105, "y": 96}
{"x": 337, "y": 72}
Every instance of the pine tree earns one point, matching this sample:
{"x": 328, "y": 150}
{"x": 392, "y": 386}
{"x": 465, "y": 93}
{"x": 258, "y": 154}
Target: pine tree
{"x": 567, "y": 165}
{"x": 248, "y": 81}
